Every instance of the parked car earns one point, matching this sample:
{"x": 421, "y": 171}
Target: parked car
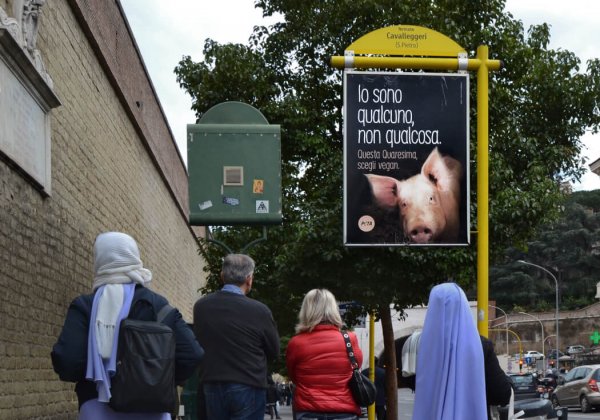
{"x": 525, "y": 385}
{"x": 534, "y": 355}
{"x": 552, "y": 354}
{"x": 578, "y": 348}
{"x": 578, "y": 388}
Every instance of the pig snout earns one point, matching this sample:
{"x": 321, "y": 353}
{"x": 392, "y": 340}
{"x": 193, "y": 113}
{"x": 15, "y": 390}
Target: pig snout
{"x": 423, "y": 224}
{"x": 421, "y": 235}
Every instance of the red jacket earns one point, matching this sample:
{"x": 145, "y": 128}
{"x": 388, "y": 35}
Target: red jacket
{"x": 318, "y": 365}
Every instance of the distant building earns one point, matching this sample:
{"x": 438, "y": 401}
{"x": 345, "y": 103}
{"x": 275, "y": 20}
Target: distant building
{"x": 412, "y": 321}
{"x": 595, "y": 166}
{"x": 84, "y": 148}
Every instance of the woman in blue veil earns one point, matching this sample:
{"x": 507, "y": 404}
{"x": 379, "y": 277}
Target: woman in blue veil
{"x": 450, "y": 376}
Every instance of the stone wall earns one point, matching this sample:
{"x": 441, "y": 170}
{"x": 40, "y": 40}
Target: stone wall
{"x": 574, "y": 327}
{"x": 110, "y": 170}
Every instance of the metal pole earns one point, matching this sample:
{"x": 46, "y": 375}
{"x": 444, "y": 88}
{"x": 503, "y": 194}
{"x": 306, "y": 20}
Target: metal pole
{"x": 424, "y": 63}
{"x": 542, "y": 325}
{"x": 547, "y": 337}
{"x": 556, "y": 292}
{"x": 506, "y": 323}
{"x": 482, "y": 191}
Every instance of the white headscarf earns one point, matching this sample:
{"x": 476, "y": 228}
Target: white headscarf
{"x": 117, "y": 269}
{"x": 409, "y": 354}
{"x": 116, "y": 262}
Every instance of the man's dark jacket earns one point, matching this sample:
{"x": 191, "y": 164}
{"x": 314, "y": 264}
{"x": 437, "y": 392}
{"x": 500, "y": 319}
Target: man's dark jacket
{"x": 69, "y": 354}
{"x": 497, "y": 383}
{"x": 239, "y": 336}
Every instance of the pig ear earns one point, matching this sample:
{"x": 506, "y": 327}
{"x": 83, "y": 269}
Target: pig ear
{"x": 443, "y": 171}
{"x": 385, "y": 190}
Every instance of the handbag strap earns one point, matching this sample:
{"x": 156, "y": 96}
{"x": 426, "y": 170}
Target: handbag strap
{"x": 350, "y": 350}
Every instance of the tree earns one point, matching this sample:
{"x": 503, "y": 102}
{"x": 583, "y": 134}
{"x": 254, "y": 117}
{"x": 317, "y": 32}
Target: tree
{"x": 569, "y": 247}
{"x": 540, "y": 105}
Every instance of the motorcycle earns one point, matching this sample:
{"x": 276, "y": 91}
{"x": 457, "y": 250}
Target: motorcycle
{"x": 545, "y": 388}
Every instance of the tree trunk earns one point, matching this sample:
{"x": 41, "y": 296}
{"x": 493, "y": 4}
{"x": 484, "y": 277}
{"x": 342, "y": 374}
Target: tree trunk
{"x": 391, "y": 379}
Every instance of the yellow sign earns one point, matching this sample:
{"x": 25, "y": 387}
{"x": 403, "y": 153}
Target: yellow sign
{"x": 406, "y": 40}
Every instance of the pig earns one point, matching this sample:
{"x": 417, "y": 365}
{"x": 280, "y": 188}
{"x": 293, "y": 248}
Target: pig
{"x": 427, "y": 203}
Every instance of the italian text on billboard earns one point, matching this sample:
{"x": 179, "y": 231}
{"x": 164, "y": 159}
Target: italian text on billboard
{"x": 406, "y": 159}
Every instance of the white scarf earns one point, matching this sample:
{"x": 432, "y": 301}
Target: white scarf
{"x": 109, "y": 306}
{"x": 116, "y": 262}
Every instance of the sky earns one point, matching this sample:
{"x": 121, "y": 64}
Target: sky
{"x": 165, "y": 31}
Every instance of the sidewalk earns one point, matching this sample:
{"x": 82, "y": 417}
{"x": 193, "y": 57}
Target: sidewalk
{"x": 285, "y": 412}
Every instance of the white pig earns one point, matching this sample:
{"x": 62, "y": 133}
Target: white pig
{"x": 428, "y": 202}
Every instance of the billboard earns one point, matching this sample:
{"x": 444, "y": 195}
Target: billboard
{"x": 406, "y": 159}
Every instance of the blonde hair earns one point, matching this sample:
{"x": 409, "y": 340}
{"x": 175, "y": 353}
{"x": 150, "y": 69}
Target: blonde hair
{"x": 319, "y": 306}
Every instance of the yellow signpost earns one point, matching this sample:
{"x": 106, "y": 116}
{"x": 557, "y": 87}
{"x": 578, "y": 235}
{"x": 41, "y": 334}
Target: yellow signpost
{"x": 401, "y": 40}
{"x": 416, "y": 47}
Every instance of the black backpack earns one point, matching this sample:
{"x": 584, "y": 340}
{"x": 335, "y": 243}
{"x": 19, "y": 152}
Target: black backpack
{"x": 144, "y": 381}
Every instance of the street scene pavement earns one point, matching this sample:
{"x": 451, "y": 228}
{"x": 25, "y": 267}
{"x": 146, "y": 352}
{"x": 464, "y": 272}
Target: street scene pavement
{"x": 285, "y": 412}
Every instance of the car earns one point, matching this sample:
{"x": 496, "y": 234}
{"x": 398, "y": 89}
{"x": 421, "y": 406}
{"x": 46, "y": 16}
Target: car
{"x": 578, "y": 388}
{"x": 551, "y": 354}
{"x": 578, "y": 348}
{"x": 533, "y": 355}
{"x": 524, "y": 385}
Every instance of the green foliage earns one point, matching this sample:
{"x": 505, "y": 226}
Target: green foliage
{"x": 568, "y": 248}
{"x": 540, "y": 104}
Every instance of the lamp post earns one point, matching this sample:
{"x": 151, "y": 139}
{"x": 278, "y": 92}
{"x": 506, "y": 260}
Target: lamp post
{"x": 556, "y": 292}
{"x": 542, "y": 325}
{"x": 549, "y": 336}
{"x": 506, "y": 322}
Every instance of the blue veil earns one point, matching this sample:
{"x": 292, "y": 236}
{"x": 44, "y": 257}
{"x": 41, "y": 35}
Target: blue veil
{"x": 450, "y": 382}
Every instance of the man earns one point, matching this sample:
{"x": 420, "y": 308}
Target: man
{"x": 380, "y": 401}
{"x": 239, "y": 336}
{"x": 497, "y": 383}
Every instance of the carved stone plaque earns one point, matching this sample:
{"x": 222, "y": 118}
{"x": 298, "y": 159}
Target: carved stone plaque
{"x": 24, "y": 128}
{"x": 26, "y": 95}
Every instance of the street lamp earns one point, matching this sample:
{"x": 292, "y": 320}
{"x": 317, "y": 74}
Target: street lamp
{"x": 505, "y": 316}
{"x": 549, "y": 336}
{"x": 556, "y": 290}
{"x": 538, "y": 320}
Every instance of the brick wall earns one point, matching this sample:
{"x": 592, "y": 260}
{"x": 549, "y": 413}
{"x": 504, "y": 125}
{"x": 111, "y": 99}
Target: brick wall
{"x": 104, "y": 177}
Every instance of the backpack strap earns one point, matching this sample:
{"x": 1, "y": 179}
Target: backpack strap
{"x": 164, "y": 311}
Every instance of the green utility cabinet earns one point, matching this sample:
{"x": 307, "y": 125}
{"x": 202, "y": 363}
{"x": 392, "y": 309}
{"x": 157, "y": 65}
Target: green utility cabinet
{"x": 234, "y": 167}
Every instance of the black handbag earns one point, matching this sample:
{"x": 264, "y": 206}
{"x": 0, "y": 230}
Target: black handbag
{"x": 363, "y": 390}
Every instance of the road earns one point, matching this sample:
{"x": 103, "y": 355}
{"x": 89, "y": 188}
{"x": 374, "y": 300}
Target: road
{"x": 406, "y": 402}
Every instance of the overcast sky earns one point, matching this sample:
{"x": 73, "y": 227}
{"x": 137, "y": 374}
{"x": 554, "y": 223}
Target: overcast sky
{"x": 165, "y": 31}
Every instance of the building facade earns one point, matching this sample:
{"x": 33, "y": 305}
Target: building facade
{"x": 84, "y": 148}
{"x": 595, "y": 167}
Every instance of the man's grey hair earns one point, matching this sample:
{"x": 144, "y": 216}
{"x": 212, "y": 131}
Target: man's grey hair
{"x": 236, "y": 268}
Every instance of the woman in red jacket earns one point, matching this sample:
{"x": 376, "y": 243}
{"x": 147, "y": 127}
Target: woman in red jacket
{"x": 318, "y": 364}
